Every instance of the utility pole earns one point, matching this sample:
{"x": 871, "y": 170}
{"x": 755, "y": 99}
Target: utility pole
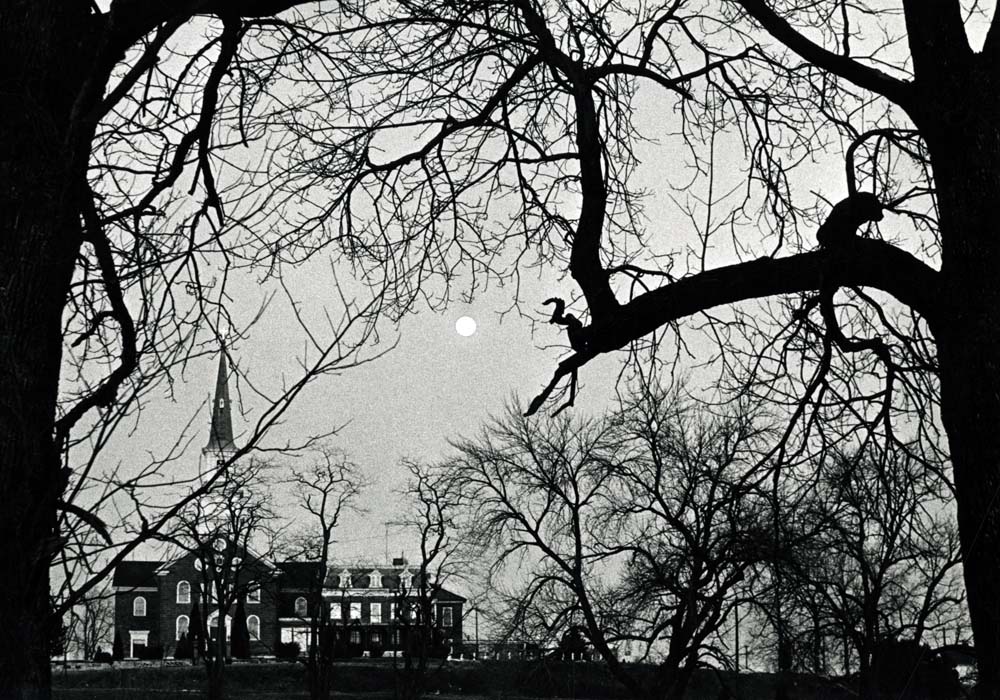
{"x": 736, "y": 612}
{"x": 386, "y": 560}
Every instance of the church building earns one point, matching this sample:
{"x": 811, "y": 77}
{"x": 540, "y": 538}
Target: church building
{"x": 368, "y": 606}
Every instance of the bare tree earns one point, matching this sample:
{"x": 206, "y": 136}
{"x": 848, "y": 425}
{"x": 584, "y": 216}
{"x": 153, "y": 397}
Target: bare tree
{"x": 431, "y": 509}
{"x": 880, "y": 562}
{"x": 525, "y": 143}
{"x": 533, "y": 120}
{"x": 330, "y": 485}
{"x": 92, "y": 624}
{"x": 232, "y": 534}
{"x": 636, "y": 528}
{"x": 123, "y": 219}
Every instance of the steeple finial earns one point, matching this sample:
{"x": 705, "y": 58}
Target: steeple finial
{"x": 220, "y": 438}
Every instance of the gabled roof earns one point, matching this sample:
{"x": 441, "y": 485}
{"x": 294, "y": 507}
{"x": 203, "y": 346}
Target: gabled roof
{"x": 390, "y": 578}
{"x": 136, "y": 574}
{"x": 298, "y": 574}
{"x": 446, "y": 596}
{"x": 360, "y": 575}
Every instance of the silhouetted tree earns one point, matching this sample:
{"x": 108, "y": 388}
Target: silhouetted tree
{"x": 431, "y": 506}
{"x": 639, "y": 525}
{"x": 117, "y": 648}
{"x": 887, "y": 330}
{"x": 185, "y": 648}
{"x": 232, "y": 535}
{"x": 240, "y": 643}
{"x": 524, "y": 143}
{"x": 91, "y": 623}
{"x": 328, "y": 486}
{"x": 110, "y": 280}
{"x": 196, "y": 627}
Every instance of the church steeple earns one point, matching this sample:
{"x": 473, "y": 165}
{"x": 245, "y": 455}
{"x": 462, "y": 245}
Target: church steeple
{"x": 220, "y": 438}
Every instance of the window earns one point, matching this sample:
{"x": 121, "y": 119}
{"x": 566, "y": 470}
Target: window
{"x": 299, "y": 635}
{"x": 183, "y": 592}
{"x": 355, "y": 611}
{"x": 392, "y": 612}
{"x": 336, "y": 613}
{"x": 253, "y": 592}
{"x": 446, "y": 613}
{"x": 355, "y": 636}
{"x": 375, "y": 579}
{"x": 139, "y": 606}
{"x": 345, "y": 579}
{"x": 253, "y": 626}
{"x": 376, "y": 613}
{"x": 301, "y": 607}
{"x": 406, "y": 580}
{"x": 183, "y": 623}
{"x": 376, "y": 638}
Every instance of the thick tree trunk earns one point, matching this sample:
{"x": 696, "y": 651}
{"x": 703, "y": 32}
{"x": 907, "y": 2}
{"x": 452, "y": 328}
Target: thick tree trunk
{"x": 966, "y": 164}
{"x": 39, "y": 239}
{"x": 674, "y": 680}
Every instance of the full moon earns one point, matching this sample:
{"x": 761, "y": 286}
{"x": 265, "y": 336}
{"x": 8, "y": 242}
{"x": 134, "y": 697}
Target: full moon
{"x": 465, "y": 326}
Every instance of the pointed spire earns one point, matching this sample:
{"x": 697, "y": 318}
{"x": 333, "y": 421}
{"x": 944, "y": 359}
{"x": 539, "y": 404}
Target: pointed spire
{"x": 220, "y": 438}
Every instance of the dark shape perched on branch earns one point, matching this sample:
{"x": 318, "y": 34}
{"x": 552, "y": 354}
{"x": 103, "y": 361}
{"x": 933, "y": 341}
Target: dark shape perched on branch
{"x": 574, "y": 327}
{"x": 577, "y": 341}
{"x": 847, "y": 216}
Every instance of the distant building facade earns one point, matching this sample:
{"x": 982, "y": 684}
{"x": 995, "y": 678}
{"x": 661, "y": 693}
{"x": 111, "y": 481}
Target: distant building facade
{"x": 370, "y": 607}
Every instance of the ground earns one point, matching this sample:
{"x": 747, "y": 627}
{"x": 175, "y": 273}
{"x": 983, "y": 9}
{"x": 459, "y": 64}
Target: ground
{"x": 374, "y": 679}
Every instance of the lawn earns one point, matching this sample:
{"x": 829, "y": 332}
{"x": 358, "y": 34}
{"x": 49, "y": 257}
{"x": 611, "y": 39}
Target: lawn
{"x": 371, "y": 680}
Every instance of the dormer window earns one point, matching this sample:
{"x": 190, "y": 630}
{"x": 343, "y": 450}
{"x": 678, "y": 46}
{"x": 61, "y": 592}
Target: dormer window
{"x": 406, "y": 579}
{"x": 345, "y": 579}
{"x": 375, "y": 579}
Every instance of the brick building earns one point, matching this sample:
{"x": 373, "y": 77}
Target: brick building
{"x": 373, "y": 608}
{"x": 154, "y": 602}
{"x": 370, "y": 606}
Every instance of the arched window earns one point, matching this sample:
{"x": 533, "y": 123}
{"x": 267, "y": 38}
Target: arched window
{"x": 301, "y": 607}
{"x": 183, "y": 624}
{"x": 139, "y": 606}
{"x": 253, "y": 592}
{"x": 253, "y": 626}
{"x": 183, "y": 592}
{"x": 375, "y": 579}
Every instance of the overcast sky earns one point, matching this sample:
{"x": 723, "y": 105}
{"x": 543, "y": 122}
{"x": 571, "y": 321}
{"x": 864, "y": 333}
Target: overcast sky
{"x": 435, "y": 385}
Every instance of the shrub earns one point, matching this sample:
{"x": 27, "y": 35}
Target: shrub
{"x": 102, "y": 657}
{"x": 151, "y": 652}
{"x": 185, "y": 648}
{"x": 287, "y": 651}
{"x": 117, "y": 648}
{"x": 909, "y": 670}
{"x": 240, "y": 641}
